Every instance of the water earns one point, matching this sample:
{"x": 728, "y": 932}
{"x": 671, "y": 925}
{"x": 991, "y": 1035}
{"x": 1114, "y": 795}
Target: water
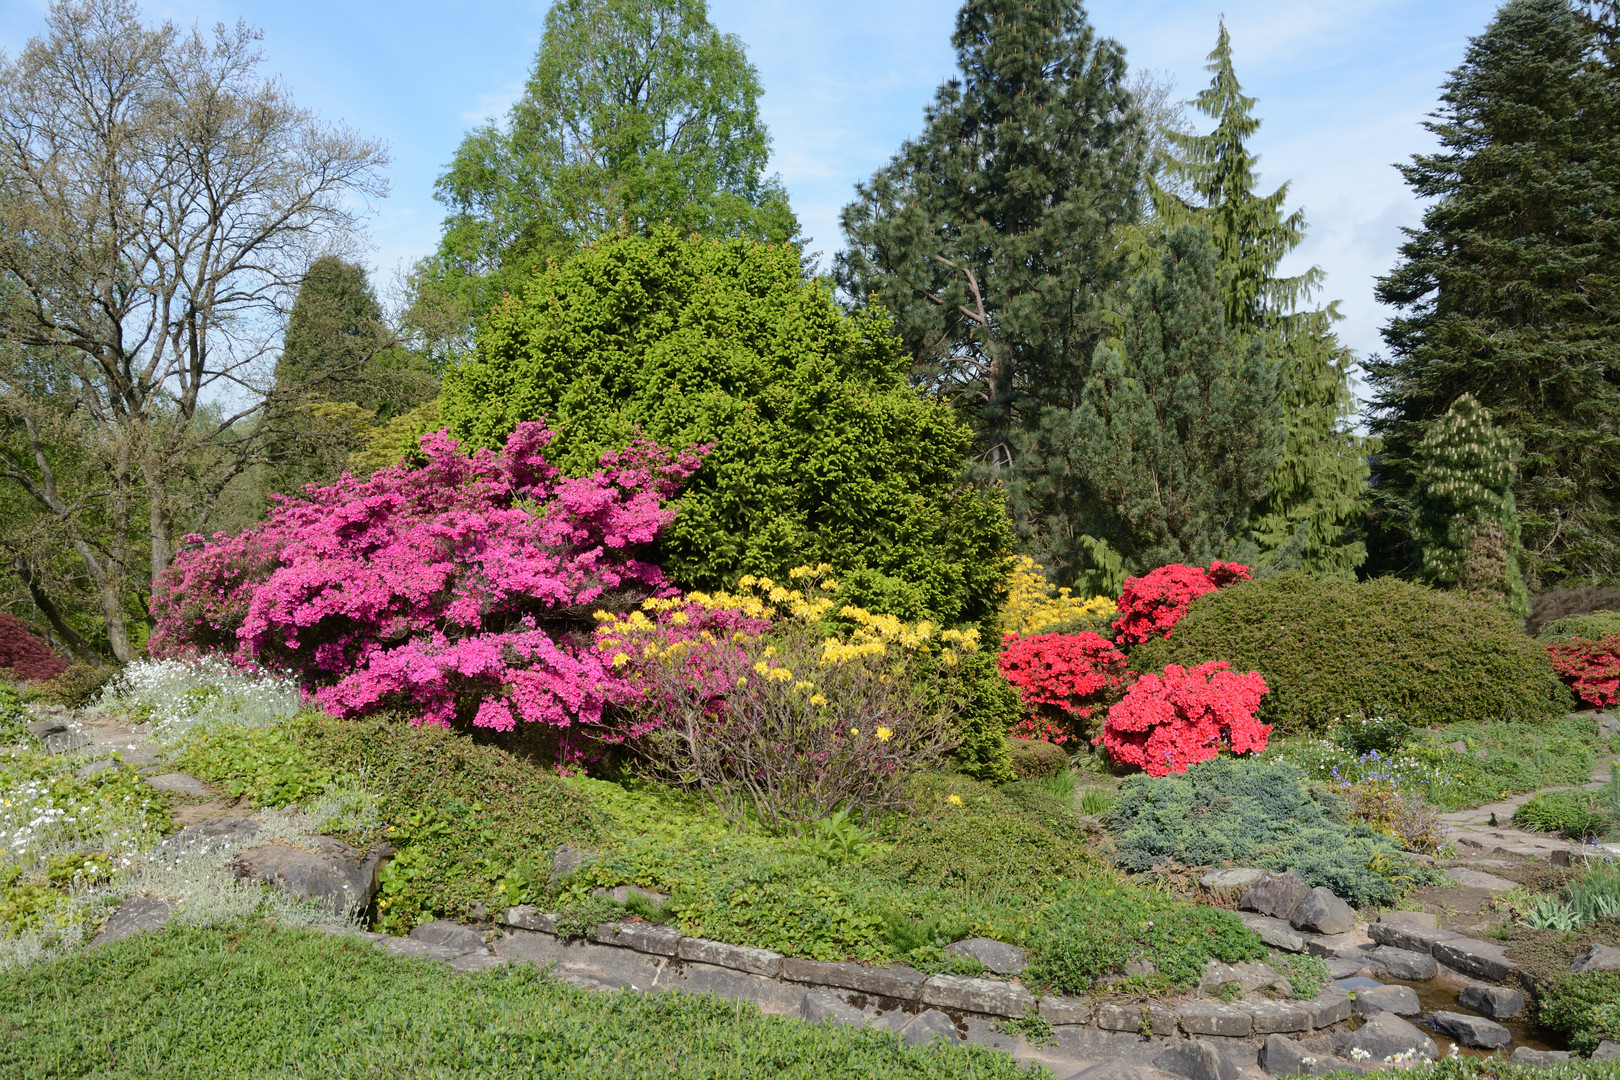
{"x": 1440, "y": 995}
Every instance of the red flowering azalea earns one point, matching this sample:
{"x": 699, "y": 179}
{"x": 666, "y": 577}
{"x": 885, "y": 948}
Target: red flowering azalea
{"x": 1168, "y": 722}
{"x": 1151, "y": 605}
{"x": 1062, "y": 678}
{"x": 1591, "y": 668}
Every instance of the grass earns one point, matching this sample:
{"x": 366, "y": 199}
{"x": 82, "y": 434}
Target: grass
{"x": 251, "y": 1001}
{"x": 1494, "y": 1068}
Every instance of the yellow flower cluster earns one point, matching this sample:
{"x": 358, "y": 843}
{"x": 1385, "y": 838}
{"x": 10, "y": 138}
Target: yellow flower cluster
{"x": 1032, "y": 604}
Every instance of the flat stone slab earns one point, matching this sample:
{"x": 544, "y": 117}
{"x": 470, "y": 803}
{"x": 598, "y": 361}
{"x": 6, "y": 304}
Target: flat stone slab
{"x": 450, "y": 935}
{"x": 137, "y": 915}
{"x": 180, "y": 783}
{"x": 1237, "y": 877}
{"x": 642, "y": 937}
{"x": 737, "y": 957}
{"x": 1496, "y": 1002}
{"x": 66, "y": 742}
{"x": 1479, "y": 879}
{"x": 996, "y": 956}
{"x": 468, "y": 963}
{"x": 529, "y": 917}
{"x": 929, "y": 1026}
{"x": 1542, "y": 1059}
{"x": 1480, "y": 959}
{"x": 1404, "y": 963}
{"x": 1214, "y": 1018}
{"x": 1400, "y": 1000}
{"x": 1596, "y": 958}
{"x": 1058, "y": 1011}
{"x": 821, "y": 1006}
{"x": 896, "y": 981}
{"x": 1275, "y": 932}
{"x": 1409, "y": 936}
{"x": 1387, "y": 1036}
{"x": 1196, "y": 1060}
{"x": 212, "y": 835}
{"x": 1276, "y": 1016}
{"x": 1475, "y": 1031}
{"x": 977, "y": 995}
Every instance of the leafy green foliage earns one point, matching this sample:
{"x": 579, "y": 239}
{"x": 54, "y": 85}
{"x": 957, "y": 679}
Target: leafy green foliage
{"x": 1305, "y": 974}
{"x": 252, "y": 1001}
{"x": 263, "y": 765}
{"x": 463, "y": 815}
{"x": 1575, "y": 814}
{"x": 1253, "y": 813}
{"x": 13, "y": 721}
{"x": 1504, "y": 292}
{"x": 1330, "y": 648}
{"x": 1594, "y": 626}
{"x": 1036, "y": 757}
{"x": 822, "y": 451}
{"x": 78, "y": 686}
{"x": 987, "y": 705}
{"x": 838, "y": 839}
{"x": 1372, "y": 734}
{"x": 996, "y": 263}
{"x": 1585, "y": 1007}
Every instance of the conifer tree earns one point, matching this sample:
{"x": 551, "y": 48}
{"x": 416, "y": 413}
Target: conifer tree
{"x": 990, "y": 237}
{"x": 1464, "y": 523}
{"x": 1318, "y": 487}
{"x": 1179, "y": 426}
{"x": 1508, "y": 290}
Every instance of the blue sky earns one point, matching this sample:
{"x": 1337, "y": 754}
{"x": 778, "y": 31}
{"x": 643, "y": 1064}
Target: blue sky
{"x": 1343, "y": 87}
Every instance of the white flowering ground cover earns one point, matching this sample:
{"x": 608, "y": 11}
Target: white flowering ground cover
{"x": 72, "y": 848}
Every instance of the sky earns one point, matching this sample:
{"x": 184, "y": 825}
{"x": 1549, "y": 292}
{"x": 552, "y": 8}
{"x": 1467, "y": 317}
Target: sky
{"x": 1343, "y": 88}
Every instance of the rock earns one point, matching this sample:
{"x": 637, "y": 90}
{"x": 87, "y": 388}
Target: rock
{"x": 978, "y": 995}
{"x": 85, "y": 772}
{"x": 927, "y": 1026}
{"x": 1345, "y": 967}
{"x": 529, "y": 917}
{"x": 1140, "y": 966}
{"x": 1478, "y": 879}
{"x": 1322, "y": 913}
{"x": 1404, "y": 964}
{"x": 1270, "y": 1016}
{"x": 1410, "y": 936}
{"x": 642, "y": 937}
{"x": 137, "y": 915}
{"x": 1596, "y": 958}
{"x": 1274, "y": 932}
{"x": 1496, "y": 1002}
{"x": 1330, "y": 1006}
{"x": 1282, "y": 1056}
{"x": 1276, "y": 895}
{"x": 478, "y": 961}
{"x": 1523, "y": 1055}
{"x": 895, "y": 981}
{"x": 1400, "y": 1000}
{"x": 1458, "y": 747}
{"x": 1481, "y": 959}
{"x": 1608, "y": 727}
{"x": 1426, "y": 919}
{"x": 1195, "y": 1060}
{"x": 820, "y": 1006}
{"x": 66, "y": 742}
{"x": 39, "y": 729}
{"x": 1607, "y": 1050}
{"x": 1119, "y": 1070}
{"x": 343, "y": 879}
{"x": 211, "y": 835}
{"x": 1238, "y": 877}
{"x": 1213, "y": 1018}
{"x": 1249, "y": 977}
{"x": 1387, "y": 1036}
{"x": 1066, "y": 1010}
{"x": 180, "y": 783}
{"x": 1001, "y": 958}
{"x": 1473, "y": 1031}
{"x": 566, "y": 859}
{"x": 140, "y": 755}
{"x": 737, "y": 957}
{"x": 450, "y": 935}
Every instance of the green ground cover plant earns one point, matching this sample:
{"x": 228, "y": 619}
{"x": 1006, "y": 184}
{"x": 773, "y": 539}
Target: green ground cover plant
{"x": 1594, "y": 626}
{"x": 263, "y": 765}
{"x": 1330, "y": 649}
{"x": 1256, "y": 813}
{"x": 13, "y": 721}
{"x": 250, "y": 1000}
{"x": 1498, "y": 758}
{"x": 1578, "y": 815}
{"x": 1585, "y": 1007}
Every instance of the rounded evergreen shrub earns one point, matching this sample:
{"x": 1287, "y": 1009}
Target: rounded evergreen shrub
{"x": 822, "y": 450}
{"x": 1594, "y": 626}
{"x": 1329, "y": 649}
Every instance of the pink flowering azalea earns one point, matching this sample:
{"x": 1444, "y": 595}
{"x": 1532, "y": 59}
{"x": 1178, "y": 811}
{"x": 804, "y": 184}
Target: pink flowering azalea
{"x": 1166, "y": 723}
{"x": 459, "y": 589}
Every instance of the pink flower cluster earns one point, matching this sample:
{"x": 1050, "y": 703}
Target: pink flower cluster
{"x": 1151, "y": 605}
{"x": 1168, "y": 722}
{"x": 459, "y": 589}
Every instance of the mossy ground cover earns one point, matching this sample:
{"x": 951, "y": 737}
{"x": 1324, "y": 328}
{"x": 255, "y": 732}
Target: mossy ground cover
{"x": 252, "y": 1001}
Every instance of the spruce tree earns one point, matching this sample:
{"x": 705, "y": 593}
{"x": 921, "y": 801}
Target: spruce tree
{"x": 991, "y": 236}
{"x": 1507, "y": 291}
{"x": 1318, "y": 487}
{"x": 1464, "y": 523}
{"x": 1179, "y": 425}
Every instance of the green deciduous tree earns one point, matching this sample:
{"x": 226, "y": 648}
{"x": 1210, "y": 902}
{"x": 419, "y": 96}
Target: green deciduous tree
{"x": 1464, "y": 524}
{"x": 638, "y": 112}
{"x": 991, "y": 236}
{"x": 1318, "y": 487}
{"x": 1179, "y": 425}
{"x": 822, "y": 451}
{"x": 1508, "y": 290}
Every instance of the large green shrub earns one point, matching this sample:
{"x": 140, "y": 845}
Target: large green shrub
{"x": 1254, "y": 813}
{"x": 822, "y": 451}
{"x": 1595, "y": 626}
{"x": 1330, "y": 649}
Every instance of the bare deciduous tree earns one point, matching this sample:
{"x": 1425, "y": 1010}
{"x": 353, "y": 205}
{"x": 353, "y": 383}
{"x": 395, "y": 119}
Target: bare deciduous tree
{"x": 159, "y": 201}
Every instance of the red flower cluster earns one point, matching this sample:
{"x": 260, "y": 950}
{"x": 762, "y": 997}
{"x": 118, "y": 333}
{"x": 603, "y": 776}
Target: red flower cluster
{"x": 26, "y": 653}
{"x": 1591, "y": 668}
{"x": 1168, "y": 722}
{"x": 1151, "y": 605}
{"x": 1061, "y": 678}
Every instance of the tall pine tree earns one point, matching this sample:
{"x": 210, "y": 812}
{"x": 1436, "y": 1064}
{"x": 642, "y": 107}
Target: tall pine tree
{"x": 1508, "y": 291}
{"x": 991, "y": 236}
{"x": 1317, "y": 488}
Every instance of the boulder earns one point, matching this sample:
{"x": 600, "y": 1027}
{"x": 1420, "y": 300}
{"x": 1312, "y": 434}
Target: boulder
{"x": 1282, "y": 1056}
{"x": 928, "y": 1026}
{"x": 997, "y": 956}
{"x": 1479, "y": 879}
{"x": 820, "y": 1006}
{"x": 1596, "y": 958}
{"x": 212, "y": 835}
{"x": 1541, "y": 1059}
{"x": 1475, "y": 1031}
{"x": 450, "y": 935}
{"x": 1607, "y": 1050}
{"x": 181, "y": 784}
{"x": 566, "y": 859}
{"x": 1496, "y": 1002}
{"x": 1404, "y": 964}
{"x": 1196, "y": 1060}
{"x": 1237, "y": 877}
{"x": 137, "y": 915}
{"x": 1400, "y": 1000}
{"x": 1322, "y": 913}
{"x": 1608, "y": 727}
{"x": 1387, "y": 1036}
{"x": 342, "y": 879}
{"x": 1276, "y": 895}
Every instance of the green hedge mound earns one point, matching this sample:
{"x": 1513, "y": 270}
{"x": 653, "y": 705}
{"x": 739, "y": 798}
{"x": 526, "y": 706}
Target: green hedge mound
{"x": 1595, "y": 627}
{"x": 1253, "y": 813}
{"x": 1330, "y": 649}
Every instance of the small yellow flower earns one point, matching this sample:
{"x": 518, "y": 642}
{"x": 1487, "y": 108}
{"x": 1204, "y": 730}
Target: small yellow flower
{"x": 817, "y": 699}
{"x": 761, "y": 667}
{"x": 854, "y": 731}
{"x": 742, "y": 681}
{"x": 954, "y": 800}
{"x": 620, "y": 659}
{"x": 885, "y": 734}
